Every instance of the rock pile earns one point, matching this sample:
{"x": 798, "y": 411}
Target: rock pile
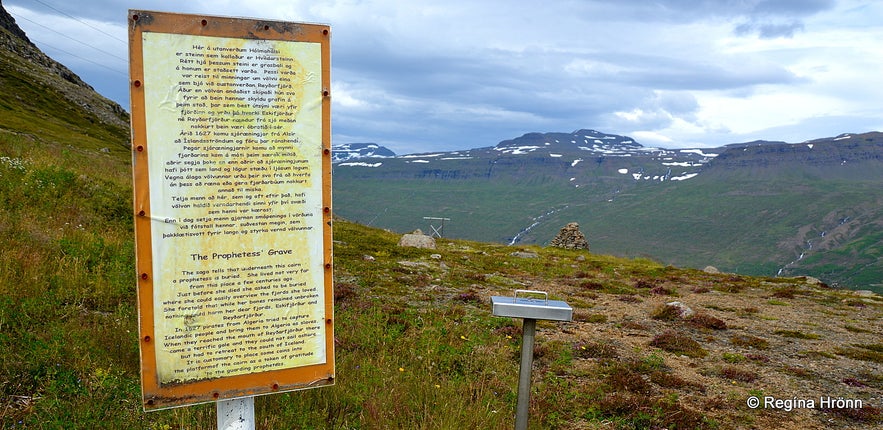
{"x": 570, "y": 238}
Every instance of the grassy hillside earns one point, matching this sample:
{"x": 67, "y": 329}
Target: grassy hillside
{"x": 40, "y": 98}
{"x": 417, "y": 345}
{"x": 824, "y": 228}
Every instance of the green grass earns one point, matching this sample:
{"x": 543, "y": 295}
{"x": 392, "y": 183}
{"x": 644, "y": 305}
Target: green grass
{"x": 864, "y": 352}
{"x": 734, "y": 358}
{"x": 68, "y": 345}
{"x": 797, "y": 334}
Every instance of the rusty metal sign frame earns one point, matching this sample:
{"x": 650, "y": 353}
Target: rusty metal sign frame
{"x": 158, "y": 395}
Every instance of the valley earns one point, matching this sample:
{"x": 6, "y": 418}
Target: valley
{"x": 751, "y": 208}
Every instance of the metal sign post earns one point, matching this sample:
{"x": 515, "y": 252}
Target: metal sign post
{"x": 530, "y": 310}
{"x": 236, "y": 414}
{"x": 437, "y": 231}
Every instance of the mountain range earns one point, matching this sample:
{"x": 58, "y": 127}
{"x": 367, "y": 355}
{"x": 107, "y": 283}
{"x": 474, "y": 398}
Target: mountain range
{"x": 812, "y": 208}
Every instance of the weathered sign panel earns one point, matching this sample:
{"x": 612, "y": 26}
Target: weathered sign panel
{"x": 232, "y": 193}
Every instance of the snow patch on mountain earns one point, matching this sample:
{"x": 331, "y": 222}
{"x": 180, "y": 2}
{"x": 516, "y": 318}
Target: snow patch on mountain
{"x": 683, "y": 177}
{"x": 360, "y": 164}
{"x": 699, "y": 152}
{"x": 353, "y": 151}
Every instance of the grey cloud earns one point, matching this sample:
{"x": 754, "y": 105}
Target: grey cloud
{"x": 767, "y": 18}
{"x": 700, "y": 9}
{"x": 671, "y": 73}
{"x": 769, "y": 30}
{"x": 677, "y": 103}
{"x": 791, "y": 7}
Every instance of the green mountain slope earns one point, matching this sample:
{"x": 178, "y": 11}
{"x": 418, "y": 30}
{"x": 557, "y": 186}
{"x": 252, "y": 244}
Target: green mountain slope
{"x": 42, "y": 98}
{"x": 762, "y": 208}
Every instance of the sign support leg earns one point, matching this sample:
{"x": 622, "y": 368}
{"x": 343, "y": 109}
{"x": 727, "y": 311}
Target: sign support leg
{"x": 236, "y": 414}
{"x": 521, "y": 411}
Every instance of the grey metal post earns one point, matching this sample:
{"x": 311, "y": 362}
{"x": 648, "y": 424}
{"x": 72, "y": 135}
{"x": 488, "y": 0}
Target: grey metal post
{"x": 530, "y": 310}
{"x": 521, "y": 411}
{"x": 236, "y": 414}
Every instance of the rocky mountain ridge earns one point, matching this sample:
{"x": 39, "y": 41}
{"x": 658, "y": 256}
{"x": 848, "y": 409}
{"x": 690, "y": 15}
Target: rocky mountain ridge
{"x": 354, "y": 151}
{"x": 591, "y": 146}
{"x": 22, "y": 56}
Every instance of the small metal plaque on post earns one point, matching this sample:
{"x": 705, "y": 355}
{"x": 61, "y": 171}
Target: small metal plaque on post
{"x": 531, "y": 310}
{"x": 527, "y": 307}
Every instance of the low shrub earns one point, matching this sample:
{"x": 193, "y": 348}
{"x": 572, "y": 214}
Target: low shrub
{"x": 665, "y": 313}
{"x": 749, "y": 341}
{"x": 592, "y": 318}
{"x": 662, "y": 291}
{"x": 670, "y": 380}
{"x": 595, "y": 350}
{"x": 704, "y": 320}
{"x": 738, "y": 374}
{"x": 678, "y": 343}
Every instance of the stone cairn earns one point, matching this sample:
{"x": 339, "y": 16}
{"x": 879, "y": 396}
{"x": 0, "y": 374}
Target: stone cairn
{"x": 570, "y": 238}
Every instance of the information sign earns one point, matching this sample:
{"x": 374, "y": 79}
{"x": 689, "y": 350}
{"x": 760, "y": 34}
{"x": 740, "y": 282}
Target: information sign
{"x": 232, "y": 199}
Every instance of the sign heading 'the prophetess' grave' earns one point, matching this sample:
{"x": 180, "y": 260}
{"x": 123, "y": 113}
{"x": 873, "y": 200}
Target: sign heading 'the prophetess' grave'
{"x": 232, "y": 172}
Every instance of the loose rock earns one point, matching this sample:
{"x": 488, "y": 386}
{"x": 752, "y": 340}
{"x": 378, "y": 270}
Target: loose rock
{"x": 417, "y": 240}
{"x": 683, "y": 310}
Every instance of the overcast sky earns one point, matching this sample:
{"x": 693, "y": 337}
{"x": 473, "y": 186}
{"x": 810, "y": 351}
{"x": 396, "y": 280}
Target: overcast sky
{"x": 421, "y": 76}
